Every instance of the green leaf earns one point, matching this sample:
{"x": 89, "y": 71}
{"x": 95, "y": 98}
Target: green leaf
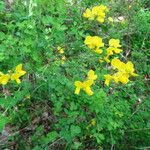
{"x": 3, "y": 121}
{"x": 49, "y": 137}
{"x": 2, "y": 56}
{"x": 76, "y": 145}
{"x": 75, "y": 130}
{"x": 98, "y": 101}
{"x": 47, "y": 20}
{"x": 8, "y": 103}
{"x": 99, "y": 137}
{"x": 2, "y": 6}
{"x": 2, "y": 36}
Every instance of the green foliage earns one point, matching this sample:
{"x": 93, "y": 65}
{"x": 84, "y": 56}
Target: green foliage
{"x": 42, "y": 112}
{"x": 4, "y": 120}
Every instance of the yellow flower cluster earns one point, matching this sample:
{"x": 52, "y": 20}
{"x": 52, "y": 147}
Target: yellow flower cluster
{"x": 123, "y": 74}
{"x": 4, "y": 78}
{"x": 97, "y": 12}
{"x": 94, "y": 43}
{"x": 86, "y": 85}
{"x": 114, "y": 47}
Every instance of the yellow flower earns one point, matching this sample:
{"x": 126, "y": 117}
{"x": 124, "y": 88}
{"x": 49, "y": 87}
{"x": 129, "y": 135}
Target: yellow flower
{"x": 124, "y": 78}
{"x": 79, "y": 86}
{"x": 114, "y": 43}
{"x": 117, "y": 64}
{"x": 121, "y": 77}
{"x": 16, "y": 76}
{"x": 123, "y": 74}
{"x": 108, "y": 78}
{"x": 4, "y": 78}
{"x": 94, "y": 43}
{"x": 98, "y": 9}
{"x": 91, "y": 75}
{"x": 130, "y": 69}
{"x": 19, "y": 70}
{"x": 60, "y": 50}
{"x": 98, "y": 51}
{"x": 117, "y": 50}
{"x": 18, "y": 73}
{"x": 97, "y": 42}
{"x": 63, "y": 60}
{"x": 100, "y": 19}
{"x": 88, "y": 14}
{"x": 85, "y": 86}
{"x": 97, "y": 12}
{"x": 112, "y": 50}
{"x": 127, "y": 68}
{"x": 104, "y": 8}
{"x": 117, "y": 77}
{"x": 88, "y": 41}
{"x": 110, "y": 19}
{"x": 109, "y": 51}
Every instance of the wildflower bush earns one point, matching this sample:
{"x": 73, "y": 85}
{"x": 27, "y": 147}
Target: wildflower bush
{"x": 74, "y": 74}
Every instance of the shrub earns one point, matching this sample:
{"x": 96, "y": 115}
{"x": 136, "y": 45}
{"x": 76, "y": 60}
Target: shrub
{"x": 74, "y": 75}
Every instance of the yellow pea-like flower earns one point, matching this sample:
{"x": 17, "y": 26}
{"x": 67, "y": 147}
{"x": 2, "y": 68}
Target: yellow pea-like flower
{"x": 94, "y": 43}
{"x": 114, "y": 43}
{"x": 108, "y": 78}
{"x": 130, "y": 69}
{"x": 19, "y": 70}
{"x": 125, "y": 70}
{"x": 92, "y": 75}
{"x": 86, "y": 85}
{"x": 98, "y": 51}
{"x": 4, "y": 78}
{"x": 79, "y": 86}
{"x": 117, "y": 64}
{"x": 18, "y": 73}
{"x": 88, "y": 14}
